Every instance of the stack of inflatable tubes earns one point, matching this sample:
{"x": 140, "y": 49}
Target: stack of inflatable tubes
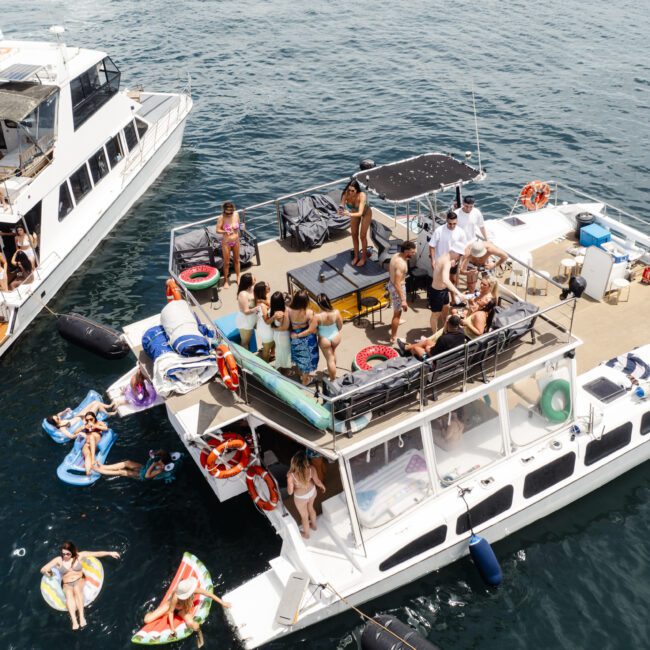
{"x": 182, "y": 329}
{"x": 291, "y": 394}
{"x": 54, "y": 432}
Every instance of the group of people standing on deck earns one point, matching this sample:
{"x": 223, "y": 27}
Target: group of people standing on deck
{"x": 460, "y": 247}
{"x": 289, "y": 331}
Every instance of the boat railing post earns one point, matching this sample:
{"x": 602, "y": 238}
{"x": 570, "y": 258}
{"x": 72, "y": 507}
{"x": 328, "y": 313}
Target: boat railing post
{"x": 465, "y": 366}
{"x": 278, "y": 218}
{"x": 423, "y": 376}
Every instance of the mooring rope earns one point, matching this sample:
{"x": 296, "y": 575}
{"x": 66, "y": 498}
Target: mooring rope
{"x": 327, "y": 585}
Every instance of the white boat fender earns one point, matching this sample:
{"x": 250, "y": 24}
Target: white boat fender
{"x": 94, "y": 337}
{"x": 385, "y": 632}
{"x": 479, "y": 548}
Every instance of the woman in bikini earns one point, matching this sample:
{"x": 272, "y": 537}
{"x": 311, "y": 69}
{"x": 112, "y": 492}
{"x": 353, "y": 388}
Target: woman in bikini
{"x": 302, "y": 481}
{"x": 93, "y": 430}
{"x": 228, "y": 226}
{"x": 27, "y": 244}
{"x": 65, "y": 419}
{"x": 181, "y": 603}
{"x": 24, "y": 270}
{"x": 354, "y": 204}
{"x": 247, "y": 316}
{"x": 304, "y": 343}
{"x": 69, "y": 567}
{"x": 131, "y": 469}
{"x": 264, "y": 318}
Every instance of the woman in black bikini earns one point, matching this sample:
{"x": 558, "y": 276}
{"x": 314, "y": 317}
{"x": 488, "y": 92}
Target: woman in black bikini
{"x": 354, "y": 204}
{"x": 69, "y": 567}
{"x": 93, "y": 430}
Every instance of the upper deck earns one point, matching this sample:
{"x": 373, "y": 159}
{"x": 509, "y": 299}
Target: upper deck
{"x": 558, "y": 327}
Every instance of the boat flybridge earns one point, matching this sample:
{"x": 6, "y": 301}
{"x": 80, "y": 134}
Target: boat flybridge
{"x": 538, "y": 419}
{"x": 76, "y": 151}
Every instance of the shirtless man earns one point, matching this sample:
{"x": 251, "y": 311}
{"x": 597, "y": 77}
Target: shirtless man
{"x": 396, "y": 287}
{"x": 478, "y": 253}
{"x": 441, "y": 286}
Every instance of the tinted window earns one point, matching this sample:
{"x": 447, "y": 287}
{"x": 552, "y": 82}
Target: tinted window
{"x": 98, "y": 166}
{"x": 80, "y": 183}
{"x": 130, "y": 136}
{"x": 550, "y": 474}
{"x": 142, "y": 127}
{"x": 92, "y": 89}
{"x": 114, "y": 149}
{"x": 645, "y": 424}
{"x": 65, "y": 201}
{"x": 417, "y": 546}
{"x": 609, "y": 443}
{"x": 491, "y": 507}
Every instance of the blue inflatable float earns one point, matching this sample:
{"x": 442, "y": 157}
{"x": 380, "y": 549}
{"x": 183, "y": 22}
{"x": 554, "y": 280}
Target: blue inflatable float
{"x": 56, "y": 434}
{"x": 72, "y": 470}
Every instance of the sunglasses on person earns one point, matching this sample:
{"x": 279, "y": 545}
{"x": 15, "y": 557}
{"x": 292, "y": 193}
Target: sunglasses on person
{"x": 66, "y": 554}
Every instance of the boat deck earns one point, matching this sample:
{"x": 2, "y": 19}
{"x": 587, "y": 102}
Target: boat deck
{"x": 608, "y": 328}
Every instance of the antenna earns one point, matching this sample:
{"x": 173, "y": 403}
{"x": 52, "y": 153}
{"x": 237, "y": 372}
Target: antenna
{"x": 478, "y": 143}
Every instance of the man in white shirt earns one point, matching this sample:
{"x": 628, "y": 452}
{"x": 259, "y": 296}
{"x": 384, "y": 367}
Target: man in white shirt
{"x": 470, "y": 220}
{"x": 444, "y": 236}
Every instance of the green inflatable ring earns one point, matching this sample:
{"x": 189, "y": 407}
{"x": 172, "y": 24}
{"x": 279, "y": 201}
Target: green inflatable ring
{"x": 546, "y": 403}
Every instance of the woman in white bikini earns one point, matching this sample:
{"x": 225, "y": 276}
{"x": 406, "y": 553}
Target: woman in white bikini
{"x": 228, "y": 226}
{"x": 68, "y": 564}
{"x": 27, "y": 244}
{"x": 4, "y": 278}
{"x": 302, "y": 481}
{"x": 264, "y": 319}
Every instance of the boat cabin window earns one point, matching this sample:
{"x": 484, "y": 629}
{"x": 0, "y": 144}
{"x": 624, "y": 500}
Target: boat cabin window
{"x": 467, "y": 439}
{"x": 98, "y": 166}
{"x": 80, "y": 183}
{"x": 114, "y": 150}
{"x": 142, "y": 127}
{"x": 539, "y": 403}
{"x": 130, "y": 136}
{"x": 65, "y": 201}
{"x": 390, "y": 478}
{"x": 92, "y": 89}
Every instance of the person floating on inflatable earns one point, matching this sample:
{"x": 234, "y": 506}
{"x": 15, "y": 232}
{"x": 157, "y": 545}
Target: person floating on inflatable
{"x": 181, "y": 604}
{"x": 67, "y": 421}
{"x": 139, "y": 392}
{"x": 160, "y": 466}
{"x": 70, "y": 568}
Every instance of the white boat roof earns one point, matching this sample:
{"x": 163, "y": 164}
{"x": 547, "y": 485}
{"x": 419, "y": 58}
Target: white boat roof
{"x": 44, "y": 62}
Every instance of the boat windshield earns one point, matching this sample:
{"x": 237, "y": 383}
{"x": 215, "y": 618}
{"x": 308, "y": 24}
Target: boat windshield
{"x": 390, "y": 478}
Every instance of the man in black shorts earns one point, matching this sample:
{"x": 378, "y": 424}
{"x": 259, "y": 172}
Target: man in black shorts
{"x": 441, "y": 286}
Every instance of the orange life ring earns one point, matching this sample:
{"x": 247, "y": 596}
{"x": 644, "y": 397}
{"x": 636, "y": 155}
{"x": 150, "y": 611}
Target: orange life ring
{"x": 535, "y": 195}
{"x": 274, "y": 498}
{"x": 234, "y": 465}
{"x": 227, "y": 367}
{"x": 371, "y": 352}
{"x": 172, "y": 290}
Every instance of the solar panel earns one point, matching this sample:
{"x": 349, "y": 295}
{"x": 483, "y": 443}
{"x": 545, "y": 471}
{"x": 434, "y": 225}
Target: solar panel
{"x": 19, "y": 72}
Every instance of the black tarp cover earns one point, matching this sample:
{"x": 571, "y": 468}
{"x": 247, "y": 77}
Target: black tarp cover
{"x": 416, "y": 177}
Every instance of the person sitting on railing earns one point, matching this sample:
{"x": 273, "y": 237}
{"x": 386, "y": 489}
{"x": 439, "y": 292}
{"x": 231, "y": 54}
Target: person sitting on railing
{"x": 24, "y": 270}
{"x": 27, "y": 244}
{"x": 228, "y": 226}
{"x": 451, "y": 337}
{"x": 477, "y": 256}
{"x": 4, "y": 274}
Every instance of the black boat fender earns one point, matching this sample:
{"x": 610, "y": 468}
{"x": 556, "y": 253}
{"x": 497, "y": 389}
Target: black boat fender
{"x": 94, "y": 337}
{"x": 375, "y": 637}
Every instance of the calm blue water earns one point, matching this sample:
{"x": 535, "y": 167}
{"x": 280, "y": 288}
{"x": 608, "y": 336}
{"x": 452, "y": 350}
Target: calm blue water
{"x": 288, "y": 95}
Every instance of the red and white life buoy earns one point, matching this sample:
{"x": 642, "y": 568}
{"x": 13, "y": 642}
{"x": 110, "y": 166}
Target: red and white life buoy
{"x": 254, "y": 472}
{"x": 214, "y": 461}
{"x": 227, "y": 367}
{"x": 172, "y": 290}
{"x": 535, "y": 195}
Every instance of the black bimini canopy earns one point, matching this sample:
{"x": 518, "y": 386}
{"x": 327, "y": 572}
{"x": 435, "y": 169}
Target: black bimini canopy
{"x": 18, "y": 99}
{"x": 416, "y": 177}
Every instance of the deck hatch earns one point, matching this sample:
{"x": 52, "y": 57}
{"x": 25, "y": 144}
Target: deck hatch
{"x": 419, "y": 545}
{"x": 542, "y": 478}
{"x": 487, "y": 509}
{"x": 609, "y": 443}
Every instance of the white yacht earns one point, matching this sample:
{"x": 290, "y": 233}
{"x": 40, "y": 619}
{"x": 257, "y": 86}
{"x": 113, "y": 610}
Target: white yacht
{"x": 76, "y": 151}
{"x": 547, "y": 405}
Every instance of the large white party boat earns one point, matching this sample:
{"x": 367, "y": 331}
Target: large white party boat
{"x": 539, "y": 419}
{"x": 76, "y": 152}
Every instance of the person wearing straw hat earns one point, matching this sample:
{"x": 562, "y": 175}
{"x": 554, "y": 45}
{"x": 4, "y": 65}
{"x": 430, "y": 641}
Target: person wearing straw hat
{"x": 478, "y": 254}
{"x": 181, "y": 603}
